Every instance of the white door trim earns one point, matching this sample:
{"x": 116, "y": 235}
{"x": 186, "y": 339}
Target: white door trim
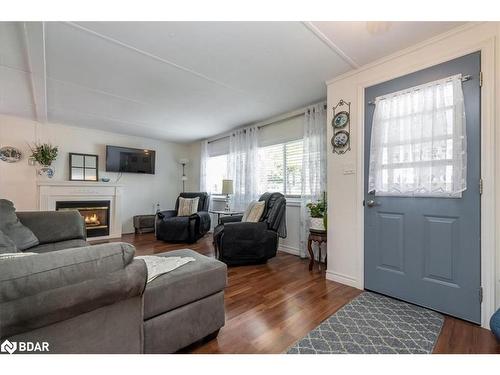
{"x": 487, "y": 48}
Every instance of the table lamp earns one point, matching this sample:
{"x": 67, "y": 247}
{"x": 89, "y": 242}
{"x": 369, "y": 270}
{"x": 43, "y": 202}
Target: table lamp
{"x": 227, "y": 190}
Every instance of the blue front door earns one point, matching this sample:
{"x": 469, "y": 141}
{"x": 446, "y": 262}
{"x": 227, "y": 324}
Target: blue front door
{"x": 426, "y": 250}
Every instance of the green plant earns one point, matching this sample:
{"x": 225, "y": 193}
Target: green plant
{"x": 44, "y": 153}
{"x": 318, "y": 209}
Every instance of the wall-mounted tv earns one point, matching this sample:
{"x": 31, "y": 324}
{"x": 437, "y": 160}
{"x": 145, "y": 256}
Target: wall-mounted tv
{"x": 130, "y": 160}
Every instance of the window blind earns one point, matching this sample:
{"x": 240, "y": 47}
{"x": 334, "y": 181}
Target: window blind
{"x": 281, "y": 168}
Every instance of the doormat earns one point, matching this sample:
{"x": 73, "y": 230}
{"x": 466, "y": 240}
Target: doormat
{"x": 374, "y": 324}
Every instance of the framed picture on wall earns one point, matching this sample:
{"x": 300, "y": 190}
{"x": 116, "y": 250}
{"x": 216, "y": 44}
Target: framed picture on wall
{"x": 83, "y": 167}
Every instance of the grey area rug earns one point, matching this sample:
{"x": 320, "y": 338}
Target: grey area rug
{"x": 374, "y": 324}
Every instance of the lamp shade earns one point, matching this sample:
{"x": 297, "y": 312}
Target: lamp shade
{"x": 227, "y": 187}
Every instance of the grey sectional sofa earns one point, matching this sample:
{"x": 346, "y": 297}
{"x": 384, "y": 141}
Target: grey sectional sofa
{"x": 94, "y": 299}
{"x": 80, "y": 300}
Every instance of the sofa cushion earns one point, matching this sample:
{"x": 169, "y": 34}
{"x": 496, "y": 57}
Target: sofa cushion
{"x": 27, "y": 276}
{"x": 6, "y": 244}
{"x": 191, "y": 282}
{"x": 54, "y": 226}
{"x": 70, "y": 300}
{"x": 56, "y": 246}
{"x": 22, "y": 236}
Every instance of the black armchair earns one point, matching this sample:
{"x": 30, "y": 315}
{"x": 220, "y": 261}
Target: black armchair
{"x": 240, "y": 243}
{"x": 172, "y": 228}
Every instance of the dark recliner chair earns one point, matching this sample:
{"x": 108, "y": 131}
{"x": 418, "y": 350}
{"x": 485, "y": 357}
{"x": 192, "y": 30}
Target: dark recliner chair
{"x": 239, "y": 243}
{"x": 172, "y": 228}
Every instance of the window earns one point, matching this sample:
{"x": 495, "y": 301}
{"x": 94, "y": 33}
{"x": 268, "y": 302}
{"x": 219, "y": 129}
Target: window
{"x": 281, "y": 168}
{"x": 418, "y": 143}
{"x": 216, "y": 172}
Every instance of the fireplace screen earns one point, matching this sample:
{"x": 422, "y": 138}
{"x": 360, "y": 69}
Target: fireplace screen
{"x": 94, "y": 213}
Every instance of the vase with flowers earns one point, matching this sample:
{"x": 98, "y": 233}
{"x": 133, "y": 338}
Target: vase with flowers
{"x": 44, "y": 154}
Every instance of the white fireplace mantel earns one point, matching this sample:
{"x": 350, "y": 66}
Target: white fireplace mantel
{"x": 51, "y": 192}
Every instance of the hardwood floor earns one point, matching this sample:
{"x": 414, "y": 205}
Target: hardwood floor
{"x": 270, "y": 306}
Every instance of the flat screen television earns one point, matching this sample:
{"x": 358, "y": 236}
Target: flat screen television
{"x": 130, "y": 160}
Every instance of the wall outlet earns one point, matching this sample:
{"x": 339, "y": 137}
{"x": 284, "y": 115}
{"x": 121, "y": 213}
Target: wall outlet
{"x": 349, "y": 168}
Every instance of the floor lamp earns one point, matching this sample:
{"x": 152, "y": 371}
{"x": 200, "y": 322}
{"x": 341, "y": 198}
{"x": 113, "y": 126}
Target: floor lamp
{"x": 184, "y": 178}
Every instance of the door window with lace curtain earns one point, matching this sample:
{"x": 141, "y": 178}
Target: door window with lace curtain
{"x": 418, "y": 144}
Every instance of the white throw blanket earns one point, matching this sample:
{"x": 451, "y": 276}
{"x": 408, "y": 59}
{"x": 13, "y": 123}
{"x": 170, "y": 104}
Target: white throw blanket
{"x": 159, "y": 265}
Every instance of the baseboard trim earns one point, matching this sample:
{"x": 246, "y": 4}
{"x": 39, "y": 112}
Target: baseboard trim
{"x": 289, "y": 250}
{"x": 343, "y": 279}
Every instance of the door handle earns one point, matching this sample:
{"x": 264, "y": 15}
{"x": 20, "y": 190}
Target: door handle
{"x": 371, "y": 203}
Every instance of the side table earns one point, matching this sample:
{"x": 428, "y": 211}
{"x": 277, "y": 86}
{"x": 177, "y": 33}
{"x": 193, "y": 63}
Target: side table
{"x": 224, "y": 213}
{"x": 319, "y": 237}
{"x": 144, "y": 223}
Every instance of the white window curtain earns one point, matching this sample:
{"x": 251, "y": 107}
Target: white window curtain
{"x": 313, "y": 166}
{"x": 243, "y": 166}
{"x": 418, "y": 141}
{"x": 203, "y": 166}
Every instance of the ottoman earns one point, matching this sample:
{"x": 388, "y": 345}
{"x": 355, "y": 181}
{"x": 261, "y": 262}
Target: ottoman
{"x": 185, "y": 305}
{"x": 144, "y": 223}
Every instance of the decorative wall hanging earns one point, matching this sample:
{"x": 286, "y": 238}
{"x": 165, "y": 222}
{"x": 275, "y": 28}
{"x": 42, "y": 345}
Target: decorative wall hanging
{"x": 341, "y": 124}
{"x": 44, "y": 154}
{"x": 10, "y": 154}
{"x": 83, "y": 167}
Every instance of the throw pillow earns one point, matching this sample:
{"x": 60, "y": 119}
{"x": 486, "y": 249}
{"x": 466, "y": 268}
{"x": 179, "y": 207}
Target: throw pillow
{"x": 256, "y": 211}
{"x": 247, "y": 211}
{"x": 6, "y": 244}
{"x": 10, "y": 225}
{"x": 187, "y": 206}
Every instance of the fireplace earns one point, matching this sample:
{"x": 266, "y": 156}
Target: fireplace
{"x": 94, "y": 213}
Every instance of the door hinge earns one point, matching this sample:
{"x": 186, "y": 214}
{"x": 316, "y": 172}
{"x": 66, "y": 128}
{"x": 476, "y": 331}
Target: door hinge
{"x": 480, "y": 79}
{"x": 481, "y": 185}
{"x": 481, "y": 294}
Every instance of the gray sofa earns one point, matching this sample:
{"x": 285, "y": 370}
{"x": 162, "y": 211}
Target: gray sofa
{"x": 94, "y": 299}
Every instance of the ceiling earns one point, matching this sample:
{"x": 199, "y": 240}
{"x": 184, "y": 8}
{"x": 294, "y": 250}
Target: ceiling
{"x": 183, "y": 81}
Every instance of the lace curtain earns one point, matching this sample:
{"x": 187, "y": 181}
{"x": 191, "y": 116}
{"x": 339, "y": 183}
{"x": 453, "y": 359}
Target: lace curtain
{"x": 313, "y": 166}
{"x": 203, "y": 166}
{"x": 243, "y": 166}
{"x": 418, "y": 141}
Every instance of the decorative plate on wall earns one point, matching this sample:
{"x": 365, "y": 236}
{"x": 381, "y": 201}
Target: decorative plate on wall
{"x": 340, "y": 139}
{"x": 341, "y": 119}
{"x": 10, "y": 154}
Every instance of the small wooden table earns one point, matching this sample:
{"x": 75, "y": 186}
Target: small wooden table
{"x": 224, "y": 213}
{"x": 318, "y": 236}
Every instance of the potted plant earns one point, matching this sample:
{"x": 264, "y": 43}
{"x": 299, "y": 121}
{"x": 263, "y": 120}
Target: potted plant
{"x": 44, "y": 154}
{"x": 317, "y": 211}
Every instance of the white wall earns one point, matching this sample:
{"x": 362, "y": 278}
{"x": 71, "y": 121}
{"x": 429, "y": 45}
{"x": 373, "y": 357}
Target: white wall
{"x": 345, "y": 219}
{"x": 141, "y": 192}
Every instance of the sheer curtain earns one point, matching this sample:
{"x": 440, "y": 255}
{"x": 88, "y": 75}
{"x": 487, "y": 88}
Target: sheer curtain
{"x": 313, "y": 166}
{"x": 418, "y": 142}
{"x": 243, "y": 166}
{"x": 203, "y": 166}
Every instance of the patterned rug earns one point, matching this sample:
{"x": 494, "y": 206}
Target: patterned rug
{"x": 374, "y": 324}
